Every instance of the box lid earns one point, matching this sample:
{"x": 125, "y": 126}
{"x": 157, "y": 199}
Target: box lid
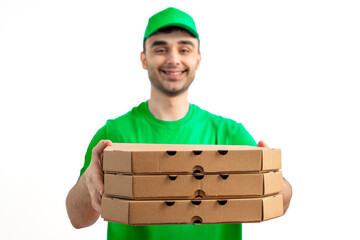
{"x": 179, "y": 158}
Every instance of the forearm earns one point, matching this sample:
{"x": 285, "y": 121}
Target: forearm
{"x": 79, "y": 207}
{"x": 287, "y": 194}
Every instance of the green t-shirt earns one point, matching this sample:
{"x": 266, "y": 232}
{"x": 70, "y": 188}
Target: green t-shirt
{"x": 197, "y": 127}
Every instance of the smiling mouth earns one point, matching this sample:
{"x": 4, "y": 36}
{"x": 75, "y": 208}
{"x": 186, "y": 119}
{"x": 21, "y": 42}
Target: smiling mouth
{"x": 173, "y": 74}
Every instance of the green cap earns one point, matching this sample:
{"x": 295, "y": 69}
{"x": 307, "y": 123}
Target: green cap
{"x": 170, "y": 17}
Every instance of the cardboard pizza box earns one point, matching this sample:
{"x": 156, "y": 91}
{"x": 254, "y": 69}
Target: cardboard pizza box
{"x": 176, "y": 158}
{"x": 192, "y": 186}
{"x": 156, "y": 212}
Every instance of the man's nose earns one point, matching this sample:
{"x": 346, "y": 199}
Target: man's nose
{"x": 173, "y": 58}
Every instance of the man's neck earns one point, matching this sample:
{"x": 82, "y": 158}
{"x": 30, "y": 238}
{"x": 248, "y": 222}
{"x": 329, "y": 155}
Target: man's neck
{"x": 168, "y": 108}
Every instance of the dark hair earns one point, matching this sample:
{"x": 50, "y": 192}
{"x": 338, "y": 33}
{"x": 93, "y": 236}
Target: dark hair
{"x": 170, "y": 29}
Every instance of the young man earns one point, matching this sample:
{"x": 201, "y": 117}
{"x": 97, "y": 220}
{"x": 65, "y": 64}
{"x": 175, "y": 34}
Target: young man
{"x": 171, "y": 56}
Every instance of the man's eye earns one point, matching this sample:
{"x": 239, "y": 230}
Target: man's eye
{"x": 160, "y": 50}
{"x": 184, "y": 50}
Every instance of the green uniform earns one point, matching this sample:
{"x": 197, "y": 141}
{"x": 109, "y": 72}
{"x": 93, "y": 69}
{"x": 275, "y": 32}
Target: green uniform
{"x": 197, "y": 127}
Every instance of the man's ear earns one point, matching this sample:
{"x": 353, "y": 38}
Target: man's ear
{"x": 198, "y": 61}
{"x": 143, "y": 60}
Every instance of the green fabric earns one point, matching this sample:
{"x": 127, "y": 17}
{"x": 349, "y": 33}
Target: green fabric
{"x": 170, "y": 17}
{"x": 197, "y": 127}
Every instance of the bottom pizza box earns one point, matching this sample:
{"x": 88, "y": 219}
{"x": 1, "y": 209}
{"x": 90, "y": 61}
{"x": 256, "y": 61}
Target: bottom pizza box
{"x": 156, "y": 212}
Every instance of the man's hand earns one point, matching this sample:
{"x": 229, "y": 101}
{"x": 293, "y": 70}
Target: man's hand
{"x": 94, "y": 177}
{"x": 83, "y": 202}
{"x": 287, "y": 189}
{"x": 262, "y": 144}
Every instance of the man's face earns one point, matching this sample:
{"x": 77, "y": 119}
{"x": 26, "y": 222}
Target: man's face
{"x": 171, "y": 60}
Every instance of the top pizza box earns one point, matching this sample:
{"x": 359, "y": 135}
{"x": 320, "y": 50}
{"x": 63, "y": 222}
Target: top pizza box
{"x": 135, "y": 158}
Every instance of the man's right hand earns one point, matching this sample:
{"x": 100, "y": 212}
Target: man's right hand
{"x": 94, "y": 177}
{"x": 83, "y": 202}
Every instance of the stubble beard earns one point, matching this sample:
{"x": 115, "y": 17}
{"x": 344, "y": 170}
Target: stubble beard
{"x": 170, "y": 93}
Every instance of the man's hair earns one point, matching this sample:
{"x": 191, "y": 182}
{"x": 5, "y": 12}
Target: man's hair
{"x": 170, "y": 29}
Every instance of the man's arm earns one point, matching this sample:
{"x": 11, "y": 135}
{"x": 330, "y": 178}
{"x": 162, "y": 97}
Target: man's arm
{"x": 287, "y": 189}
{"x": 83, "y": 202}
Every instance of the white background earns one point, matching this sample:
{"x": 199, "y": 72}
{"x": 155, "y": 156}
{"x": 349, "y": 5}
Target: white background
{"x": 288, "y": 70}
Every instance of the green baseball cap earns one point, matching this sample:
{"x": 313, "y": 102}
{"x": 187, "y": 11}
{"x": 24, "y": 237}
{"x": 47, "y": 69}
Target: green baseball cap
{"x": 170, "y": 17}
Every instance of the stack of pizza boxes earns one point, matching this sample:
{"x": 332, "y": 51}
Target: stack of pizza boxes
{"x": 151, "y": 184}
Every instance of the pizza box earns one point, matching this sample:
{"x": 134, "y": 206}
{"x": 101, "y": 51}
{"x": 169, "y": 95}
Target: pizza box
{"x": 135, "y": 158}
{"x": 188, "y": 186}
{"x": 157, "y": 212}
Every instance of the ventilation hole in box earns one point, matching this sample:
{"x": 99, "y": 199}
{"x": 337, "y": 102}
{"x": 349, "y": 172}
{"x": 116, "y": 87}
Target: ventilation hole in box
{"x": 171, "y": 153}
{"x": 196, "y": 202}
{"x": 223, "y": 152}
{"x": 198, "y": 175}
{"x": 224, "y": 176}
{"x": 169, "y": 203}
{"x": 172, "y": 177}
{"x": 198, "y": 169}
{"x": 196, "y": 220}
{"x": 199, "y": 194}
{"x": 222, "y": 202}
{"x": 196, "y": 152}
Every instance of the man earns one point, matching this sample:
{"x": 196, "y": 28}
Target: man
{"x": 171, "y": 56}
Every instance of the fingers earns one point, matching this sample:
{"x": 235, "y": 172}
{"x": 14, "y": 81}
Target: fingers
{"x": 95, "y": 199}
{"x": 95, "y": 185}
{"x": 95, "y": 176}
{"x": 98, "y": 151}
{"x": 98, "y": 182}
{"x": 262, "y": 144}
{"x": 99, "y": 148}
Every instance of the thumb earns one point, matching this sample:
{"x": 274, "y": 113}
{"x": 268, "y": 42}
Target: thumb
{"x": 262, "y": 144}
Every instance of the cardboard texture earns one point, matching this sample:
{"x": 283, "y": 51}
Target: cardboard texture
{"x": 190, "y": 186}
{"x": 174, "y": 158}
{"x": 150, "y": 212}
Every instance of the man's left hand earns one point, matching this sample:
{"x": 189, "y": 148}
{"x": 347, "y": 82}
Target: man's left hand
{"x": 286, "y": 190}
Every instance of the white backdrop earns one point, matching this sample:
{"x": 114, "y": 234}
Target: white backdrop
{"x": 286, "y": 69}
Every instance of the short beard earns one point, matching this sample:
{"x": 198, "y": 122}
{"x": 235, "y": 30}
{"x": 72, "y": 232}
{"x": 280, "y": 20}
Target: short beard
{"x": 159, "y": 87}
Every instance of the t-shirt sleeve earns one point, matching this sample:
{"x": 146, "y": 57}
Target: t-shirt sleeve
{"x": 100, "y": 135}
{"x": 240, "y": 136}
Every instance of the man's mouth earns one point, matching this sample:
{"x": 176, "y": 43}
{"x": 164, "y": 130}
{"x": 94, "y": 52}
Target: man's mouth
{"x": 173, "y": 74}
